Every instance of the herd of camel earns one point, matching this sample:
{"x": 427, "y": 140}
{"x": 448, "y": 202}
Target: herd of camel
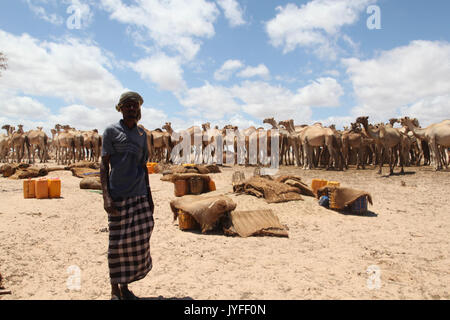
{"x": 308, "y": 146}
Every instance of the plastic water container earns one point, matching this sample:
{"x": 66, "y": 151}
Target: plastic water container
{"x": 41, "y": 189}
{"x": 196, "y": 185}
{"x": 186, "y": 221}
{"x": 29, "y": 189}
{"x": 316, "y": 184}
{"x": 180, "y": 187}
{"x": 151, "y": 167}
{"x": 54, "y": 188}
{"x": 212, "y": 185}
{"x": 333, "y": 184}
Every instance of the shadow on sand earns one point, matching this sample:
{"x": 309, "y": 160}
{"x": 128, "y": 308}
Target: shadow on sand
{"x": 165, "y": 298}
{"x": 398, "y": 174}
{"x": 368, "y": 213}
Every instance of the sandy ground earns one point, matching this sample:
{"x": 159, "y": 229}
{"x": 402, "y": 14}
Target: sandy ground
{"x": 404, "y": 239}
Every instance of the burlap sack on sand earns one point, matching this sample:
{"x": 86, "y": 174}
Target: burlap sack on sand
{"x": 271, "y": 190}
{"x": 91, "y": 183}
{"x": 343, "y": 196}
{"x": 195, "y": 168}
{"x": 82, "y": 172}
{"x": 206, "y": 210}
{"x": 254, "y": 223}
{"x": 296, "y": 181}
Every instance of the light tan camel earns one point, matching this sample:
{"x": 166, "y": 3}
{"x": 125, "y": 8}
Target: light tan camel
{"x": 317, "y": 136}
{"x": 65, "y": 145}
{"x": 436, "y": 134}
{"x": 18, "y": 142}
{"x": 390, "y": 141}
{"x": 92, "y": 143}
{"x": 212, "y": 147}
{"x": 293, "y": 140}
{"x": 4, "y": 144}
{"x": 78, "y": 140}
{"x": 354, "y": 140}
{"x": 38, "y": 139}
{"x": 285, "y": 140}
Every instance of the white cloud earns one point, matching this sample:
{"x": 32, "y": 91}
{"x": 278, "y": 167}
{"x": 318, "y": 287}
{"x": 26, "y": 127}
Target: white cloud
{"x": 162, "y": 70}
{"x": 404, "y": 79}
{"x": 227, "y": 69}
{"x": 175, "y": 24}
{"x": 249, "y": 72}
{"x": 211, "y": 102}
{"x": 324, "y": 92}
{"x": 316, "y": 25}
{"x": 41, "y": 12}
{"x": 73, "y": 70}
{"x": 233, "y": 12}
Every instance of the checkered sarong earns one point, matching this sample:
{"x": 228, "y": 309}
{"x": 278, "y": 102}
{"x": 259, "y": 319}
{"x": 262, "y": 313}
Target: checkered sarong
{"x": 129, "y": 256}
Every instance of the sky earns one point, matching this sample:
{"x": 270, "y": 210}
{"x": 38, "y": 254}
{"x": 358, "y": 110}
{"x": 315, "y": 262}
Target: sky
{"x": 224, "y": 61}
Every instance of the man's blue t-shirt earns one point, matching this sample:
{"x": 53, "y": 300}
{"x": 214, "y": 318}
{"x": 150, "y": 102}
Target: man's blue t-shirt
{"x": 128, "y": 153}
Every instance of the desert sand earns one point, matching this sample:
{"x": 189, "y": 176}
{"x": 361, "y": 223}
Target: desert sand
{"x": 328, "y": 255}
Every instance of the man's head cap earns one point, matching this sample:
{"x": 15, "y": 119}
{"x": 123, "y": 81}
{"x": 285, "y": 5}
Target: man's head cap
{"x": 129, "y": 96}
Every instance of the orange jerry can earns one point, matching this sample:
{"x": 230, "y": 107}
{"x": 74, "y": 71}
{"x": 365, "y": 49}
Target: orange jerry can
{"x": 29, "y": 189}
{"x": 316, "y": 184}
{"x": 212, "y": 185}
{"x": 41, "y": 189}
{"x": 151, "y": 167}
{"x": 181, "y": 187}
{"x": 54, "y": 188}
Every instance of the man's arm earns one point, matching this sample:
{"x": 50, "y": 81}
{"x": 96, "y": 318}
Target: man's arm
{"x": 149, "y": 191}
{"x": 104, "y": 179}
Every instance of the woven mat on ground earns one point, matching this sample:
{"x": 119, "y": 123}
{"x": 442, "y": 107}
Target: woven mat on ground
{"x": 195, "y": 168}
{"x": 177, "y": 176}
{"x": 296, "y": 181}
{"x": 254, "y": 223}
{"x": 343, "y": 196}
{"x": 206, "y": 210}
{"x": 271, "y": 190}
{"x": 83, "y": 164}
{"x": 82, "y": 172}
{"x": 26, "y": 171}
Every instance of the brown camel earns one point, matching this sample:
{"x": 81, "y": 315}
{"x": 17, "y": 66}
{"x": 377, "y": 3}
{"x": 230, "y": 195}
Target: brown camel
{"x": 353, "y": 139}
{"x": 38, "y": 139}
{"x": 65, "y": 145}
{"x": 436, "y": 134}
{"x": 390, "y": 141}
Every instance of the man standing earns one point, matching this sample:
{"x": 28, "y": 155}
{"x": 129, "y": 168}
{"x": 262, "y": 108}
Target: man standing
{"x": 127, "y": 198}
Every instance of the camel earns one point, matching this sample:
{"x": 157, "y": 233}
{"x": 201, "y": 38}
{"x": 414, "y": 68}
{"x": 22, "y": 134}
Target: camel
{"x": 389, "y": 139}
{"x": 318, "y": 136}
{"x": 353, "y": 139}
{"x": 92, "y": 143}
{"x": 181, "y": 147}
{"x": 38, "y": 139}
{"x": 65, "y": 144}
{"x": 251, "y": 138}
{"x": 212, "y": 146}
{"x": 5, "y": 143}
{"x": 293, "y": 139}
{"x": 78, "y": 141}
{"x": 285, "y": 140}
{"x": 437, "y": 134}
{"x": 18, "y": 142}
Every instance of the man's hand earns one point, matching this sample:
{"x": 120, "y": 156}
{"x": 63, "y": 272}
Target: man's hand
{"x": 109, "y": 207}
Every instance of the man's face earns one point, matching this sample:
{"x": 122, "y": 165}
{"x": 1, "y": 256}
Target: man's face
{"x": 130, "y": 110}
